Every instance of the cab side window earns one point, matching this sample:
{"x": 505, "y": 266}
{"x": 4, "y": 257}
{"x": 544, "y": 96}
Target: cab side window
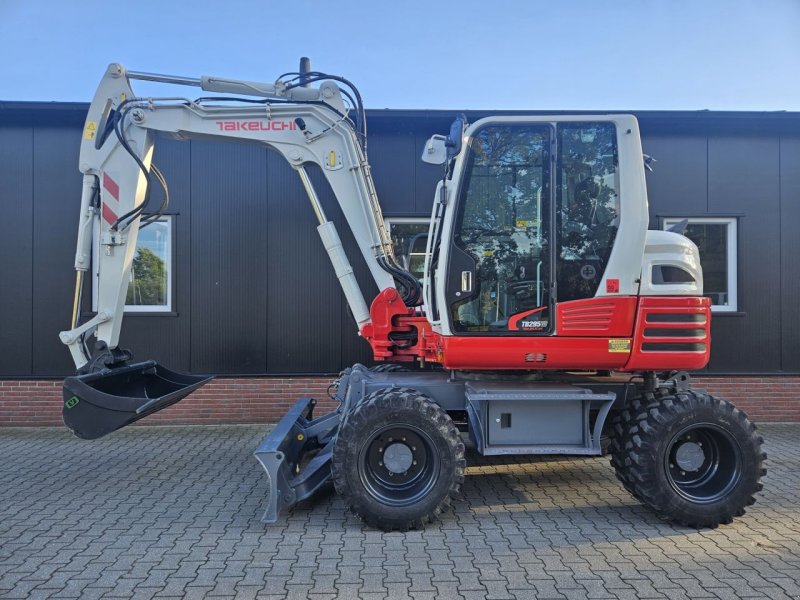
{"x": 587, "y": 206}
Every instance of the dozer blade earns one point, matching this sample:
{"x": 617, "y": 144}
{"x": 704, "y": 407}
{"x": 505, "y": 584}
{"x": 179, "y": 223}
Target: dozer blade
{"x": 99, "y": 403}
{"x": 296, "y": 456}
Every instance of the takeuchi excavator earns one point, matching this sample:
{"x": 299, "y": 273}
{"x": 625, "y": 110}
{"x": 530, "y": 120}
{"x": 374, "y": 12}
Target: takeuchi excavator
{"x": 541, "y": 283}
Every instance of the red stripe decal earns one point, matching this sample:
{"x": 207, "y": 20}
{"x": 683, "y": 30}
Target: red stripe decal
{"x": 108, "y": 215}
{"x": 111, "y": 186}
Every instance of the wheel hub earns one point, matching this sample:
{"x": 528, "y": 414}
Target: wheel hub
{"x": 398, "y": 457}
{"x": 398, "y": 464}
{"x": 703, "y": 463}
{"x": 690, "y": 456}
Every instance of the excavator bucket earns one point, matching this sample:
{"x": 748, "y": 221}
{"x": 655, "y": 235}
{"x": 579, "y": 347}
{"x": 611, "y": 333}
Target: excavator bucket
{"x": 102, "y": 402}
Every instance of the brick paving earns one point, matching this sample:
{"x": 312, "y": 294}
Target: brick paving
{"x": 174, "y": 512}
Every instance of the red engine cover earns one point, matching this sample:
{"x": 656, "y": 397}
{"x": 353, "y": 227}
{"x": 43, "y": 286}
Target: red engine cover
{"x": 627, "y": 333}
{"x": 607, "y": 316}
{"x": 671, "y": 333}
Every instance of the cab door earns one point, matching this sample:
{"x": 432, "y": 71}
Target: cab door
{"x": 499, "y": 278}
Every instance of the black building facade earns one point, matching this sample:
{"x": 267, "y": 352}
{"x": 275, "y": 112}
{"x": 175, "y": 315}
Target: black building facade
{"x": 251, "y": 290}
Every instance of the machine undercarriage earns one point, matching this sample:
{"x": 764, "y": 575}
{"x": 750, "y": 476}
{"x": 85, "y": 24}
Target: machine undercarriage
{"x": 685, "y": 477}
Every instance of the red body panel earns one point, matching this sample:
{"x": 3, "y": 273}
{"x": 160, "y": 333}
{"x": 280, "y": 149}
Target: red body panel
{"x": 530, "y": 352}
{"x": 607, "y": 316}
{"x": 662, "y": 342}
{"x": 627, "y": 333}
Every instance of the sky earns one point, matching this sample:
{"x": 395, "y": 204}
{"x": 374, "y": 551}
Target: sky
{"x": 490, "y": 54}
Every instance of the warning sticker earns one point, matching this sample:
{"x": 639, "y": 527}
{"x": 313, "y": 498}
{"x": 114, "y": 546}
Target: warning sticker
{"x": 619, "y": 345}
{"x": 90, "y": 130}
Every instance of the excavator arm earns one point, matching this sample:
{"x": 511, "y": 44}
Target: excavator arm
{"x": 306, "y": 125}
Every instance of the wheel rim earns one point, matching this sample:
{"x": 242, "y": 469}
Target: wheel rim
{"x": 703, "y": 463}
{"x": 398, "y": 465}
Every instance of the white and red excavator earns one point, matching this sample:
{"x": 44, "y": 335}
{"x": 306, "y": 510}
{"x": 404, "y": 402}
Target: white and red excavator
{"x": 541, "y": 278}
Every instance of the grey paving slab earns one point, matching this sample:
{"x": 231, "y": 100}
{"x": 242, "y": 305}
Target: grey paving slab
{"x": 173, "y": 512}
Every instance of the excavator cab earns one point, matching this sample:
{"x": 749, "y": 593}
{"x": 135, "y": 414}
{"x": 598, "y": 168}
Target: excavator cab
{"x": 98, "y": 403}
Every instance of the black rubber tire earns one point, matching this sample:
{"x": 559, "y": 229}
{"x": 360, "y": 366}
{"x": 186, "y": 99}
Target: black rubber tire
{"x": 647, "y": 432}
{"x": 620, "y": 425}
{"x": 397, "y": 407}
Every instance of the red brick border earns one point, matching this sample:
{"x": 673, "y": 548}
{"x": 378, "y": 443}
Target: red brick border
{"x": 766, "y": 398}
{"x": 266, "y": 399}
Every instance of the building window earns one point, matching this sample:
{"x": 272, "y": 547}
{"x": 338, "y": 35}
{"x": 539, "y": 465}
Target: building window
{"x": 150, "y": 284}
{"x": 410, "y": 238}
{"x": 716, "y": 239}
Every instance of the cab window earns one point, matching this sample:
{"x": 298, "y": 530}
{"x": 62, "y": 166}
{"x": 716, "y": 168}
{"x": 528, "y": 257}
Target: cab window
{"x": 587, "y": 206}
{"x": 502, "y": 232}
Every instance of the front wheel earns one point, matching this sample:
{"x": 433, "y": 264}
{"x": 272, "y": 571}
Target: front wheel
{"x": 398, "y": 459}
{"x": 693, "y": 458}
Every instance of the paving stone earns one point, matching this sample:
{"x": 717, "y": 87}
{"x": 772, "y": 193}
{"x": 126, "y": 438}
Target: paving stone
{"x": 173, "y": 512}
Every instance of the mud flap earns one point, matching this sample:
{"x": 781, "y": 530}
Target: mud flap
{"x": 99, "y": 403}
{"x": 285, "y": 454}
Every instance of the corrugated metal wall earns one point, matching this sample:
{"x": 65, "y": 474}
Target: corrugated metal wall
{"x": 750, "y": 169}
{"x": 254, "y": 292}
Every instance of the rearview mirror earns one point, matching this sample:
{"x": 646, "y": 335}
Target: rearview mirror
{"x": 456, "y": 137}
{"x": 435, "y": 152}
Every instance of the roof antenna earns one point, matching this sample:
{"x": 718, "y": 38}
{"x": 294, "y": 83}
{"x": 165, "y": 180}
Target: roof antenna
{"x": 305, "y": 69}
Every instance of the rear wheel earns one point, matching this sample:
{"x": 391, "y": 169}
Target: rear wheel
{"x": 398, "y": 459}
{"x": 692, "y": 458}
{"x": 620, "y": 425}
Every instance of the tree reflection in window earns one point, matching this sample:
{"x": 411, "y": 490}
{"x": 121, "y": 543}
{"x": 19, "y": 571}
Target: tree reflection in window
{"x": 149, "y": 278}
{"x": 587, "y": 206}
{"x": 502, "y": 225}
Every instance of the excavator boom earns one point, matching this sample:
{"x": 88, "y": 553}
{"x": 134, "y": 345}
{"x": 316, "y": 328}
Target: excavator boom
{"x": 307, "y": 125}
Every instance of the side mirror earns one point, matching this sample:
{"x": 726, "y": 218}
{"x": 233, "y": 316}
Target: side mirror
{"x": 456, "y": 137}
{"x": 435, "y": 152}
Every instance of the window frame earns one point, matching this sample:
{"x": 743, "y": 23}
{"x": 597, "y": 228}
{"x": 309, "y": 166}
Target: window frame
{"x": 142, "y": 309}
{"x": 390, "y": 221}
{"x": 732, "y": 257}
